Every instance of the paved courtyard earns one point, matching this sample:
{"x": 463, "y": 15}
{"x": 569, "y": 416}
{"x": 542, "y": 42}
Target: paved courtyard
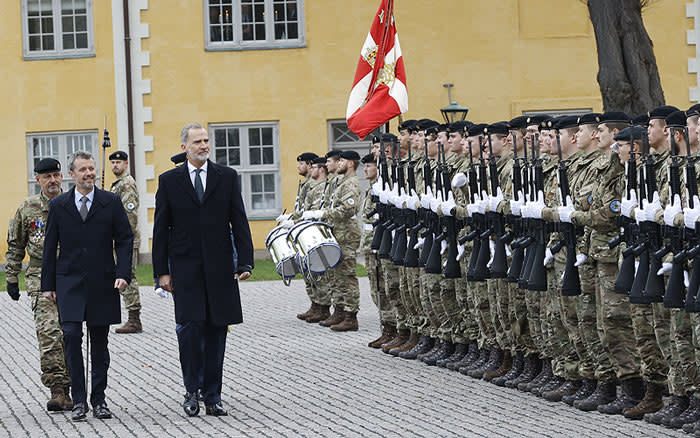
{"x": 283, "y": 378}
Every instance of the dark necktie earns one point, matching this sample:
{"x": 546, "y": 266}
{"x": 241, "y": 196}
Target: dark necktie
{"x": 198, "y": 187}
{"x": 83, "y": 208}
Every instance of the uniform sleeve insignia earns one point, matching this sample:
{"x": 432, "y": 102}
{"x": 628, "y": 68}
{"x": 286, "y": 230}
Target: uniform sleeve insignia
{"x": 36, "y": 224}
{"x": 351, "y": 201}
{"x": 130, "y": 206}
{"x": 615, "y": 206}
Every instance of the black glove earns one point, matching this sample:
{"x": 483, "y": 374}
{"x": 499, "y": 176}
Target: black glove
{"x": 13, "y": 290}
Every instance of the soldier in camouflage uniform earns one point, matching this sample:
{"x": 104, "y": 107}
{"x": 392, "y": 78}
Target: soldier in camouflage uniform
{"x": 26, "y": 233}
{"x": 125, "y": 187}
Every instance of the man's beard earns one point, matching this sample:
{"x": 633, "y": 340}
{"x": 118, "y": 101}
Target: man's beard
{"x": 200, "y": 159}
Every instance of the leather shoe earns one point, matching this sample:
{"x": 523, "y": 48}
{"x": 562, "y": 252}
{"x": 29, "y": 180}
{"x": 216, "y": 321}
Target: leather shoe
{"x": 216, "y": 410}
{"x": 101, "y": 411}
{"x": 191, "y": 405}
{"x": 79, "y": 412}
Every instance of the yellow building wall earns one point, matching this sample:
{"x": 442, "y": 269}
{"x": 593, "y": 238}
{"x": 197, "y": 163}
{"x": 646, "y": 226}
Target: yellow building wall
{"x": 503, "y": 57}
{"x": 49, "y": 95}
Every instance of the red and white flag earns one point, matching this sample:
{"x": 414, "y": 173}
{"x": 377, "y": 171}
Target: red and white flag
{"x": 379, "y": 90}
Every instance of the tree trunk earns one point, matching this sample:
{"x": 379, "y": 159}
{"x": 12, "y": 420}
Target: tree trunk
{"x": 628, "y": 75}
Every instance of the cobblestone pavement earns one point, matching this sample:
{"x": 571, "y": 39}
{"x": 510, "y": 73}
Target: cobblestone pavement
{"x": 283, "y": 377}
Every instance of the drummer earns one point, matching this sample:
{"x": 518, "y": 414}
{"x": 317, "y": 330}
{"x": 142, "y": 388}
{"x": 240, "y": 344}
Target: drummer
{"x": 343, "y": 214}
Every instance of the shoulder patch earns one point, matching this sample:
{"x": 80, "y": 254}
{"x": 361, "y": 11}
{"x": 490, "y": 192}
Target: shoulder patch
{"x": 130, "y": 206}
{"x": 615, "y": 206}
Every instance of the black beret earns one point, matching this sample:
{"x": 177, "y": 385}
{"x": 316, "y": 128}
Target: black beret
{"x": 389, "y": 138}
{"x": 497, "y": 128}
{"x": 641, "y": 120}
{"x": 350, "y": 155}
{"x": 459, "y": 126}
{"x": 423, "y": 124}
{"x": 589, "y": 119}
{"x": 319, "y": 160}
{"x": 369, "y": 158}
{"x": 661, "y": 112}
{"x": 475, "y": 130}
{"x": 307, "y": 156}
{"x": 624, "y": 135}
{"x": 333, "y": 153}
{"x": 119, "y": 155}
{"x": 407, "y": 124}
{"x": 519, "y": 122}
{"x": 693, "y": 110}
{"x": 537, "y": 119}
{"x": 615, "y": 117}
{"x": 375, "y": 139}
{"x": 567, "y": 122}
{"x": 47, "y": 165}
{"x": 433, "y": 129}
{"x": 179, "y": 158}
{"x": 676, "y": 119}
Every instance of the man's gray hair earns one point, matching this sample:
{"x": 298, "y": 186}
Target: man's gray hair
{"x": 85, "y": 155}
{"x": 185, "y": 133}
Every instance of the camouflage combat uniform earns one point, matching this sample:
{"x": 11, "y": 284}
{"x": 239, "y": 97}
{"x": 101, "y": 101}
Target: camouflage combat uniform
{"x": 374, "y": 272}
{"x": 125, "y": 188}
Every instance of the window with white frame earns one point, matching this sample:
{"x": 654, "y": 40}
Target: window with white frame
{"x": 253, "y": 24}
{"x": 60, "y": 146}
{"x": 253, "y": 150}
{"x": 57, "y": 28}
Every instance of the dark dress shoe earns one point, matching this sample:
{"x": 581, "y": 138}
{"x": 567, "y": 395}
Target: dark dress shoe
{"x": 101, "y": 411}
{"x": 79, "y": 412}
{"x": 216, "y": 410}
{"x": 191, "y": 405}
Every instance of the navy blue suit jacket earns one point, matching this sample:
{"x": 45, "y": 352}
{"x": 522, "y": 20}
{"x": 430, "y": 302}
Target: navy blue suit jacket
{"x": 83, "y": 274}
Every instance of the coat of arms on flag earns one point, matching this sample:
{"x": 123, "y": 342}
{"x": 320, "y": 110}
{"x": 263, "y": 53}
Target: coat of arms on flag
{"x": 379, "y": 89}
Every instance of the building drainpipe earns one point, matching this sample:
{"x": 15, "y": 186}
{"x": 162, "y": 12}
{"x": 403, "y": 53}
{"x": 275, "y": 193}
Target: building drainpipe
{"x": 129, "y": 98}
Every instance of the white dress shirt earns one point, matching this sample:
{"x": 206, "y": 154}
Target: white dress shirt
{"x": 202, "y": 175}
{"x": 79, "y": 196}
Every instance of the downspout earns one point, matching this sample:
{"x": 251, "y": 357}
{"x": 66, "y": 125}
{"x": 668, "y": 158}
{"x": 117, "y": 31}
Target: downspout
{"x": 129, "y": 98}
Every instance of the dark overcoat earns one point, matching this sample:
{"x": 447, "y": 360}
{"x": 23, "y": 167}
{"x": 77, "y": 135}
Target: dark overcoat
{"x": 192, "y": 243}
{"x": 83, "y": 274}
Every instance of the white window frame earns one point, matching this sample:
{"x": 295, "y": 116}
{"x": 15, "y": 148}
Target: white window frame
{"x": 63, "y": 156}
{"x": 268, "y": 43}
{"x": 245, "y": 170}
{"x": 58, "y": 52}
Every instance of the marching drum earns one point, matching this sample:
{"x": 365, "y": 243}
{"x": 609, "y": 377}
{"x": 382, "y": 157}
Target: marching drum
{"x": 283, "y": 255}
{"x": 317, "y": 249}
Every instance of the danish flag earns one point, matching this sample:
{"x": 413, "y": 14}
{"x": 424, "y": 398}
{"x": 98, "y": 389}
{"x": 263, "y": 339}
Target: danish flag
{"x": 379, "y": 90}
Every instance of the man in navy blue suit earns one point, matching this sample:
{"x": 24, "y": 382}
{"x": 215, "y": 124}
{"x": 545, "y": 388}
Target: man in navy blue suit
{"x": 90, "y": 226}
{"x": 198, "y": 205}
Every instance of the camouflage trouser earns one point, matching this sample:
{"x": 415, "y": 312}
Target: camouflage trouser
{"x": 517, "y": 311}
{"x": 468, "y": 317}
{"x": 565, "y": 333}
{"x": 391, "y": 284}
{"x": 414, "y": 287}
{"x": 452, "y": 314}
{"x": 695, "y": 324}
{"x": 132, "y": 300}
{"x": 662, "y": 328}
{"x": 682, "y": 353}
{"x": 615, "y": 323}
{"x": 498, "y": 303}
{"x": 533, "y": 301}
{"x": 412, "y": 316}
{"x": 52, "y": 359}
{"x": 480, "y": 302}
{"x": 653, "y": 363}
{"x": 430, "y": 292}
{"x": 323, "y": 289}
{"x": 377, "y": 288}
{"x": 346, "y": 288}
{"x": 595, "y": 360}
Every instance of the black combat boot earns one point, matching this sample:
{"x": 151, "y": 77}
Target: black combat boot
{"x": 570, "y": 387}
{"x": 587, "y": 388}
{"x": 690, "y": 415}
{"x": 532, "y": 368}
{"x": 457, "y": 355}
{"x": 495, "y": 358}
{"x": 447, "y": 349}
{"x": 472, "y": 355}
{"x": 677, "y": 405}
{"x": 632, "y": 392}
{"x": 550, "y": 385}
{"x": 436, "y": 346}
{"x": 544, "y": 375}
{"x": 515, "y": 370}
{"x": 424, "y": 344}
{"x": 604, "y": 393}
{"x": 484, "y": 354}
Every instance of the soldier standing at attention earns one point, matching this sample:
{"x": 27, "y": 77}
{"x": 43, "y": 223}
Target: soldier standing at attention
{"x": 125, "y": 187}
{"x": 26, "y": 233}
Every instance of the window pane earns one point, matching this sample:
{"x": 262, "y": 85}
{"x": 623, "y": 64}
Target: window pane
{"x": 67, "y": 24}
{"x": 33, "y": 8}
{"x": 247, "y": 32}
{"x": 257, "y": 202}
{"x": 266, "y": 136}
{"x": 254, "y": 136}
{"x": 215, "y": 33}
{"x": 259, "y": 11}
{"x": 81, "y": 41}
{"x": 80, "y": 23}
{"x": 292, "y": 31}
{"x": 279, "y": 11}
{"x": 259, "y": 31}
{"x": 233, "y": 139}
{"x": 292, "y": 11}
{"x": 221, "y": 157}
{"x": 228, "y": 33}
{"x": 270, "y": 199}
{"x": 269, "y": 182}
{"x": 254, "y": 156}
{"x": 234, "y": 157}
{"x": 34, "y": 26}
{"x": 68, "y": 41}
{"x": 280, "y": 32}
{"x": 214, "y": 15}
{"x": 246, "y": 13}
{"x": 268, "y": 156}
{"x": 67, "y": 7}
{"x": 220, "y": 137}
{"x": 34, "y": 43}
{"x": 47, "y": 25}
{"x": 256, "y": 183}
{"x": 47, "y": 42}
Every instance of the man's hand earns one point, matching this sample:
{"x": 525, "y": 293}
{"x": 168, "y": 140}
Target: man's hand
{"x": 166, "y": 283}
{"x": 13, "y": 290}
{"x": 120, "y": 284}
{"x": 242, "y": 276}
{"x": 50, "y": 295}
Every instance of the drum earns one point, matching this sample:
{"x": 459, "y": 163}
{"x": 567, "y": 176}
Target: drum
{"x": 316, "y": 247}
{"x": 283, "y": 255}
